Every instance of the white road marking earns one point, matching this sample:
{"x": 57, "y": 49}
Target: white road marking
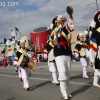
{"x": 46, "y": 80}
{"x": 80, "y": 83}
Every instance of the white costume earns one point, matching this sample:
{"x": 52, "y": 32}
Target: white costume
{"x": 81, "y": 51}
{"x": 95, "y": 48}
{"x": 24, "y": 72}
{"x": 94, "y": 58}
{"x": 59, "y": 38}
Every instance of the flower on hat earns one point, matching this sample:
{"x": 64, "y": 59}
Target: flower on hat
{"x": 58, "y": 18}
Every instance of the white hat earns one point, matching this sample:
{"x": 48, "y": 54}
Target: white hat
{"x": 60, "y": 17}
{"x": 81, "y": 35}
{"x": 22, "y": 41}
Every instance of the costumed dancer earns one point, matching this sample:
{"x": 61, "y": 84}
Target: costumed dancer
{"x": 59, "y": 38}
{"x": 94, "y": 50}
{"x": 81, "y": 51}
{"x": 13, "y": 56}
{"x": 24, "y": 72}
{"x": 51, "y": 64}
{"x": 89, "y": 32}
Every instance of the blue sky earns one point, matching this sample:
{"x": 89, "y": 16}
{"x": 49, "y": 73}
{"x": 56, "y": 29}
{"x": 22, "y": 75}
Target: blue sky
{"x": 31, "y": 14}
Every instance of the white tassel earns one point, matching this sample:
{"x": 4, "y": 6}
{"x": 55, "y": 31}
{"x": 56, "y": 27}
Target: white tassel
{"x": 90, "y": 33}
{"x": 92, "y": 24}
{"x": 86, "y": 32}
{"x": 51, "y": 26}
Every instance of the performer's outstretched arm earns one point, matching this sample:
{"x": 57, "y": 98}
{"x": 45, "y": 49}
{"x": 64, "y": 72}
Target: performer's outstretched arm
{"x": 70, "y": 24}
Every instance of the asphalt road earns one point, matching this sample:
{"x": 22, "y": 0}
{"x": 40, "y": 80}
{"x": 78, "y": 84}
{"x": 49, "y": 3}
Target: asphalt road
{"x": 42, "y": 89}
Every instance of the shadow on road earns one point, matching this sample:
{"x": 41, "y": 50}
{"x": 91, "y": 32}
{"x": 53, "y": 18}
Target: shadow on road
{"x": 82, "y": 89}
{"x": 12, "y": 98}
{"x": 39, "y": 85}
{"x": 90, "y": 74}
{"x": 76, "y": 76}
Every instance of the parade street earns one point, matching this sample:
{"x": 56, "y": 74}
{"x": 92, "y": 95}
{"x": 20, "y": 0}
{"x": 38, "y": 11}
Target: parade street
{"x": 41, "y": 88}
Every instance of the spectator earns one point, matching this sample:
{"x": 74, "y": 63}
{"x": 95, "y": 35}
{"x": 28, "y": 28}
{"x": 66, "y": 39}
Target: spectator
{"x": 4, "y": 61}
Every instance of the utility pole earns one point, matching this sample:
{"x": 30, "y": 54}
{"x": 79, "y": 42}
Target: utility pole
{"x": 97, "y": 5}
{"x": 94, "y": 3}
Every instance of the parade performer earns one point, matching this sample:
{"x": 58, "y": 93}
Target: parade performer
{"x": 81, "y": 51}
{"x": 88, "y": 34}
{"x": 22, "y": 61}
{"x": 52, "y": 65}
{"x": 59, "y": 39}
{"x": 13, "y": 56}
{"x": 94, "y": 50}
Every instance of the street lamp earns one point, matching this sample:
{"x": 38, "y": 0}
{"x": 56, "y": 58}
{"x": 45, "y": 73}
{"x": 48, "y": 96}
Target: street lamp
{"x": 97, "y": 4}
{"x": 94, "y": 3}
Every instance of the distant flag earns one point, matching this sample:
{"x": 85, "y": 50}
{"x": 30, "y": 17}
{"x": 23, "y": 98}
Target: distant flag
{"x": 13, "y": 38}
{"x": 14, "y": 33}
{"x": 16, "y": 29}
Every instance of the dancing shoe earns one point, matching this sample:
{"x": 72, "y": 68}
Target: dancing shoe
{"x": 86, "y": 77}
{"x": 27, "y": 89}
{"x": 56, "y": 83}
{"x": 96, "y": 86}
{"x": 65, "y": 97}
